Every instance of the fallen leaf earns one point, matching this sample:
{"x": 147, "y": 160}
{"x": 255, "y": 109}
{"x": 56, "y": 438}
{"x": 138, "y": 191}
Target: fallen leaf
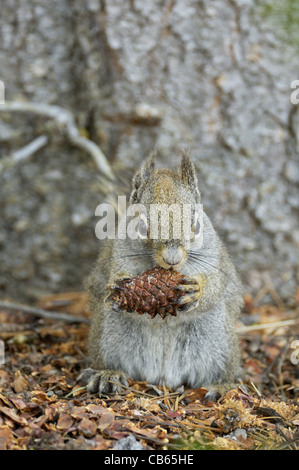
{"x": 65, "y": 421}
{"x": 88, "y": 427}
{"x": 40, "y": 397}
{"x": 195, "y": 394}
{"x": 6, "y": 438}
{"x": 10, "y": 413}
{"x": 79, "y": 412}
{"x": 106, "y": 420}
{"x": 98, "y": 410}
{"x": 4, "y": 377}
{"x": 20, "y": 383}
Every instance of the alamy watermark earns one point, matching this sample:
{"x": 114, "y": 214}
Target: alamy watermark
{"x": 158, "y": 221}
{"x": 295, "y": 94}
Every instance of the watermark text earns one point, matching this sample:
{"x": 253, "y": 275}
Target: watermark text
{"x": 157, "y": 222}
{"x": 2, "y": 352}
{"x": 295, "y": 94}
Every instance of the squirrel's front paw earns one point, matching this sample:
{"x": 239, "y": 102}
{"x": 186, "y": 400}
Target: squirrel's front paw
{"x": 103, "y": 381}
{"x": 110, "y": 300}
{"x": 193, "y": 292}
{"x": 112, "y": 304}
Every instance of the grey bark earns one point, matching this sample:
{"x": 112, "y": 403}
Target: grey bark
{"x": 137, "y": 75}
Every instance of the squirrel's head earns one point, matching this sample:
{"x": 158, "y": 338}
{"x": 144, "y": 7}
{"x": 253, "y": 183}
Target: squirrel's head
{"x": 171, "y": 200}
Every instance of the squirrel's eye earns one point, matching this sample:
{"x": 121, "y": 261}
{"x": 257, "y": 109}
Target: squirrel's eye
{"x": 197, "y": 227}
{"x": 142, "y": 228}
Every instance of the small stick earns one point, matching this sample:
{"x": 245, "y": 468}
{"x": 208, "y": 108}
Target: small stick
{"x": 255, "y": 389}
{"x": 265, "y": 326}
{"x": 166, "y": 398}
{"x": 43, "y": 313}
{"x": 23, "y": 154}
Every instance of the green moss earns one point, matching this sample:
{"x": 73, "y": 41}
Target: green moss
{"x": 190, "y": 443}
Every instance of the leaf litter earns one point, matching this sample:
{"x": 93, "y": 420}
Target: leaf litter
{"x": 43, "y": 407}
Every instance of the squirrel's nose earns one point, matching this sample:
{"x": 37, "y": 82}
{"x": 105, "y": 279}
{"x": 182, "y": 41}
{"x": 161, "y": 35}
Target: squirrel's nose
{"x": 173, "y": 255}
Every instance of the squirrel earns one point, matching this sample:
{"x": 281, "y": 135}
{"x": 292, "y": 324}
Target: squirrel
{"x": 197, "y": 348}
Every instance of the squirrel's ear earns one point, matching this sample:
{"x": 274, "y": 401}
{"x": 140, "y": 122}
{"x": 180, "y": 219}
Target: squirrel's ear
{"x": 142, "y": 176}
{"x": 188, "y": 171}
{"x": 148, "y": 166}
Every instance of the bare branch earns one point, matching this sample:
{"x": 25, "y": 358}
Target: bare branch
{"x": 43, "y": 313}
{"x": 30, "y": 149}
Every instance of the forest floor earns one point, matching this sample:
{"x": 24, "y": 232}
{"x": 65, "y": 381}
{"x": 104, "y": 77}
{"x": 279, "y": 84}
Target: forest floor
{"x": 42, "y": 406}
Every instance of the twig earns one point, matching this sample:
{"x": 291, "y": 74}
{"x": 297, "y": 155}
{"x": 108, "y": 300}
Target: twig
{"x": 79, "y": 389}
{"x": 166, "y": 399}
{"x": 255, "y": 389}
{"x": 65, "y": 119}
{"x": 43, "y": 313}
{"x": 30, "y": 149}
{"x": 265, "y": 326}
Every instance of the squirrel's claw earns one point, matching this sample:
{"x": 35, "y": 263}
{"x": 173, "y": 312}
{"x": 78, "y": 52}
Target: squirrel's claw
{"x": 112, "y": 304}
{"x": 103, "y": 381}
{"x": 116, "y": 285}
{"x": 188, "y": 302}
{"x": 189, "y": 287}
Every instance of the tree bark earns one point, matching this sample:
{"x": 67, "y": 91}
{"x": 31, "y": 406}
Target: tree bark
{"x": 211, "y": 76}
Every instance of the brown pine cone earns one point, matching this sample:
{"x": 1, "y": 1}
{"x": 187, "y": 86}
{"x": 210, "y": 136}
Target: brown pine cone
{"x": 153, "y": 292}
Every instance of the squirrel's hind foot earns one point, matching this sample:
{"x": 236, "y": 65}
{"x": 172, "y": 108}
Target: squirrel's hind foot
{"x": 103, "y": 381}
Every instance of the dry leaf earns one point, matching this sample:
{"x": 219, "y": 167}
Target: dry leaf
{"x": 65, "y": 421}
{"x": 106, "y": 420}
{"x": 10, "y": 413}
{"x": 6, "y": 438}
{"x": 88, "y": 427}
{"x": 19, "y": 383}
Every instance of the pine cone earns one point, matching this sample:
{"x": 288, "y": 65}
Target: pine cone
{"x": 153, "y": 292}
